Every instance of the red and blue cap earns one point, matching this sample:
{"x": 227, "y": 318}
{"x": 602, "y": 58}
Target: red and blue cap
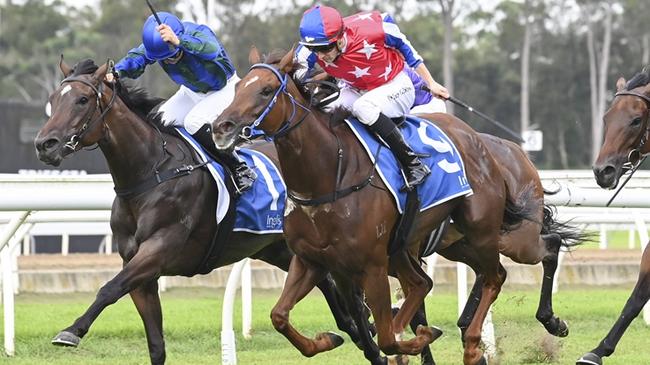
{"x": 320, "y": 26}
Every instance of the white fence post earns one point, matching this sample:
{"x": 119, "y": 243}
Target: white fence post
{"x": 228, "y": 345}
{"x": 247, "y": 300}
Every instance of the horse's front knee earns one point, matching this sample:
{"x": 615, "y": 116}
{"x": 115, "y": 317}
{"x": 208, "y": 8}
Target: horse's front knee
{"x": 280, "y": 319}
{"x": 388, "y": 346}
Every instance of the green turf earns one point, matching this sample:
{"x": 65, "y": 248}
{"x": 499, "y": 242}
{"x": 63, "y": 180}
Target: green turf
{"x": 193, "y": 317}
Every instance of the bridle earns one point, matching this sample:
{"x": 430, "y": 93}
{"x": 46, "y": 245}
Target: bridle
{"x": 635, "y": 157}
{"x": 74, "y": 140}
{"x": 248, "y": 132}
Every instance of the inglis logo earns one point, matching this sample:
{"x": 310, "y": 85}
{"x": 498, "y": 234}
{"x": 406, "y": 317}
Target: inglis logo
{"x": 274, "y": 222}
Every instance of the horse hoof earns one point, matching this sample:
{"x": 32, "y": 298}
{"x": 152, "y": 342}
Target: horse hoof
{"x": 437, "y": 332}
{"x": 433, "y": 332}
{"x": 332, "y": 337}
{"x": 65, "y": 338}
{"x": 589, "y": 359}
{"x": 482, "y": 361}
{"x": 562, "y": 329}
{"x": 398, "y": 360}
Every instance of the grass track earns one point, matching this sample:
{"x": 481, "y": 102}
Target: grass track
{"x": 193, "y": 317}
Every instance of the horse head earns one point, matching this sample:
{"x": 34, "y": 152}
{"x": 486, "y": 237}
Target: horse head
{"x": 626, "y": 131}
{"x": 74, "y": 110}
{"x": 266, "y": 99}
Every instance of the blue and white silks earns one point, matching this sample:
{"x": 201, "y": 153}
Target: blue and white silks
{"x": 259, "y": 209}
{"x": 447, "y": 179}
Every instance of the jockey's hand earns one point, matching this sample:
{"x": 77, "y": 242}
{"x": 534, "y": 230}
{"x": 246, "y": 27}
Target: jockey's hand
{"x": 168, "y": 35}
{"x": 110, "y": 77}
{"x": 439, "y": 91}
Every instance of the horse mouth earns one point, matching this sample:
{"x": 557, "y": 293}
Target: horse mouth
{"x": 225, "y": 134}
{"x": 608, "y": 176}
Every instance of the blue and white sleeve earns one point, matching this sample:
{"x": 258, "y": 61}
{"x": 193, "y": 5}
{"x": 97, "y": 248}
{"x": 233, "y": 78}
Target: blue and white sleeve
{"x": 396, "y": 39}
{"x": 306, "y": 59}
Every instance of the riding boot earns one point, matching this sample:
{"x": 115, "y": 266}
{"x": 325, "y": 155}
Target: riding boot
{"x": 413, "y": 167}
{"x": 243, "y": 175}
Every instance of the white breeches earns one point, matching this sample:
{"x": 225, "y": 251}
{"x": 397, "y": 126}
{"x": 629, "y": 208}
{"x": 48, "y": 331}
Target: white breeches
{"x": 394, "y": 99}
{"x": 192, "y": 110}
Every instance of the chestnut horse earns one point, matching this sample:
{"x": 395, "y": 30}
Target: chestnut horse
{"x": 626, "y": 136}
{"x": 346, "y": 231}
{"x": 161, "y": 229}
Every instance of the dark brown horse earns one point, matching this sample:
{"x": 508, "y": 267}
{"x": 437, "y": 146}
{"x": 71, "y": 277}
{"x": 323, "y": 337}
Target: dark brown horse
{"x": 626, "y": 136}
{"x": 161, "y": 229}
{"x": 347, "y": 231}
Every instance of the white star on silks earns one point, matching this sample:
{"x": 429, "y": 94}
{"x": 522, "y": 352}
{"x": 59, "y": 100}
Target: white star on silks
{"x": 368, "y": 49}
{"x": 358, "y": 72}
{"x": 330, "y": 64}
{"x": 366, "y": 16}
{"x": 389, "y": 68}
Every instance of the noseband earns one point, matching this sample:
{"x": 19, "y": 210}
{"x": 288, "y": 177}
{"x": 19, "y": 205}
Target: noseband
{"x": 635, "y": 153}
{"x": 287, "y": 126}
{"x": 73, "y": 142}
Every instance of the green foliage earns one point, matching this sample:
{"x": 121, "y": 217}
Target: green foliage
{"x": 487, "y": 49}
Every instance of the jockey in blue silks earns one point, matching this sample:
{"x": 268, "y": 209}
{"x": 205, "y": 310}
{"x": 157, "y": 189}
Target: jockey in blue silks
{"x": 192, "y": 57}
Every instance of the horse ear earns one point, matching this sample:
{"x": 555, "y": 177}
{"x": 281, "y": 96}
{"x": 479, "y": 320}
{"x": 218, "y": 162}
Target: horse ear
{"x": 620, "y": 84}
{"x": 100, "y": 74}
{"x": 254, "y": 56}
{"x": 286, "y": 64}
{"x": 65, "y": 69}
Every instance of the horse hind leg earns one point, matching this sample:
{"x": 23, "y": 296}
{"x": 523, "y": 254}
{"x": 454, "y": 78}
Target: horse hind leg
{"x": 301, "y": 279}
{"x": 639, "y": 297}
{"x": 554, "y": 325}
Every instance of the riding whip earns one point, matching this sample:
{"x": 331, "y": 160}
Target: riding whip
{"x": 458, "y": 102}
{"x": 153, "y": 11}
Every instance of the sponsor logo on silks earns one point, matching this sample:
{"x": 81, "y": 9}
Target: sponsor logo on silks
{"x": 310, "y": 39}
{"x": 273, "y": 222}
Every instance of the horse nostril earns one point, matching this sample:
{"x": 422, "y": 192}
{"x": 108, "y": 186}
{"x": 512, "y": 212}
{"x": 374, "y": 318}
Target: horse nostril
{"x": 224, "y": 128}
{"x": 48, "y": 144}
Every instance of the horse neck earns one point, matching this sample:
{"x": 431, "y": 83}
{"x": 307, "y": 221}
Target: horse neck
{"x": 308, "y": 156}
{"x": 131, "y": 146}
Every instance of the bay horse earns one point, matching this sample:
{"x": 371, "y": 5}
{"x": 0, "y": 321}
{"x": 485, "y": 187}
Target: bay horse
{"x": 530, "y": 243}
{"x": 346, "y": 232}
{"x": 161, "y": 229}
{"x": 625, "y": 145}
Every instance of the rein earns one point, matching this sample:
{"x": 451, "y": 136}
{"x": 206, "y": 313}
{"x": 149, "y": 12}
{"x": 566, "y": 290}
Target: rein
{"x": 287, "y": 127}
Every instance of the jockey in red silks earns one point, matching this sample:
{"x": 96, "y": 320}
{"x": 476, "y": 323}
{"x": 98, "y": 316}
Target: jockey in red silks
{"x": 378, "y": 68}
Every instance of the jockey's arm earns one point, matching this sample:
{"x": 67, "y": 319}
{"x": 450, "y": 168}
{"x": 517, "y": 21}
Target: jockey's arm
{"x": 133, "y": 64}
{"x": 306, "y": 60}
{"x": 396, "y": 39}
{"x": 201, "y": 42}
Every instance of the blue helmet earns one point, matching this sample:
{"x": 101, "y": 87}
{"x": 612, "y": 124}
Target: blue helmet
{"x": 154, "y": 46}
{"x": 320, "y": 26}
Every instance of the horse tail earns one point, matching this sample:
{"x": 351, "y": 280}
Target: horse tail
{"x": 520, "y": 208}
{"x": 570, "y": 235}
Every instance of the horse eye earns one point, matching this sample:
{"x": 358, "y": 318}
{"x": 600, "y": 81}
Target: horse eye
{"x": 82, "y": 100}
{"x": 636, "y": 121}
{"x": 266, "y": 91}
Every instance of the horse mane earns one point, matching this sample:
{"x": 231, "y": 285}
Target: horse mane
{"x": 135, "y": 98}
{"x": 640, "y": 79}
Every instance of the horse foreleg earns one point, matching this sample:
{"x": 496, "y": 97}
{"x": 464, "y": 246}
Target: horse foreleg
{"x": 545, "y": 315}
{"x": 143, "y": 267}
{"x": 301, "y": 279}
{"x": 416, "y": 285}
{"x": 147, "y": 302}
{"x": 377, "y": 290}
{"x": 635, "y": 303}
